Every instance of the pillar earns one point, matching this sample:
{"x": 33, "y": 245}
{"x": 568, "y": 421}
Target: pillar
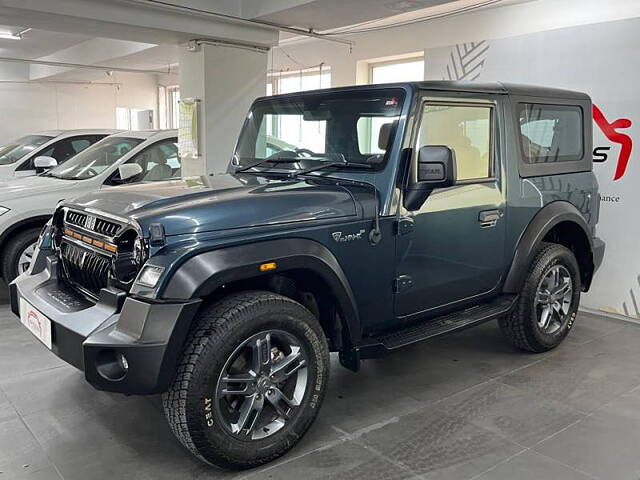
{"x": 226, "y": 80}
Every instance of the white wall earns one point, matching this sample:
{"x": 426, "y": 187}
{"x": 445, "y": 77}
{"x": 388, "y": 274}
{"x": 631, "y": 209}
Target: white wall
{"x": 28, "y": 107}
{"x": 488, "y": 24}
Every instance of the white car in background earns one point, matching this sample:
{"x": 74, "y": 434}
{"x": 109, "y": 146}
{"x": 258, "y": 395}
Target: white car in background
{"x": 40, "y": 151}
{"x": 26, "y": 204}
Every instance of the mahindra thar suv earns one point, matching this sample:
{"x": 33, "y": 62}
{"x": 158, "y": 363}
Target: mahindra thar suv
{"x": 394, "y": 214}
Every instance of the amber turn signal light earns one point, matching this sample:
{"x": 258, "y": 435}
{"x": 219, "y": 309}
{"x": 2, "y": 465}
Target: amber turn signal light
{"x": 265, "y": 267}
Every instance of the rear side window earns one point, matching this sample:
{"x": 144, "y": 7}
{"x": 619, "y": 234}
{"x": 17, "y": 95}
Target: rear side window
{"x": 551, "y": 133}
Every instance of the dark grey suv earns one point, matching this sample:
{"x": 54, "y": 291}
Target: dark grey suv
{"x": 397, "y": 213}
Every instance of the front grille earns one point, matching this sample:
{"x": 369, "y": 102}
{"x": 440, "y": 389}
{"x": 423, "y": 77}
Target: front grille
{"x": 85, "y": 268}
{"x": 92, "y": 223}
{"x": 105, "y": 227}
{"x": 76, "y": 218}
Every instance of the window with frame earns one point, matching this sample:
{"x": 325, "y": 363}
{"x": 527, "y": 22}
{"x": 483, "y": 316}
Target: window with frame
{"x": 64, "y": 149}
{"x": 333, "y": 127}
{"x": 467, "y": 129}
{"x": 159, "y": 161}
{"x": 407, "y": 70}
{"x": 173, "y": 117}
{"x": 551, "y": 133}
{"x": 298, "y": 81}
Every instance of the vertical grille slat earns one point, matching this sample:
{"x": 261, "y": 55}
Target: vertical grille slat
{"x": 84, "y": 266}
{"x": 92, "y": 274}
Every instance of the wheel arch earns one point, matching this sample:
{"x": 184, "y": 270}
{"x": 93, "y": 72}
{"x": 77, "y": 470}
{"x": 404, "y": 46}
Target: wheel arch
{"x": 558, "y": 222}
{"x": 24, "y": 224}
{"x": 302, "y": 266}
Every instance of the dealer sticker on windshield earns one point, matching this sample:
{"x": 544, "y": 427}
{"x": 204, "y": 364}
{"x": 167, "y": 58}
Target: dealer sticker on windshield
{"x": 36, "y": 322}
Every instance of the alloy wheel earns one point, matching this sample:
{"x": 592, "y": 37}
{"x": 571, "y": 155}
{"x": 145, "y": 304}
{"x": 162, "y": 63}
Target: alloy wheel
{"x": 25, "y": 258}
{"x": 262, "y": 385}
{"x": 554, "y": 297}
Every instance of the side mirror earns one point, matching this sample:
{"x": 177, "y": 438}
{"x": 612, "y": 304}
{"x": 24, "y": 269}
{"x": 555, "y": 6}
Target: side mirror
{"x": 129, "y": 170}
{"x": 436, "y": 169}
{"x": 44, "y": 163}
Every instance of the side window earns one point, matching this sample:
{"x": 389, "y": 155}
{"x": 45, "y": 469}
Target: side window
{"x": 464, "y": 128}
{"x": 80, "y": 143}
{"x": 63, "y": 150}
{"x": 159, "y": 162}
{"x": 28, "y": 165}
{"x": 551, "y": 133}
{"x": 46, "y": 153}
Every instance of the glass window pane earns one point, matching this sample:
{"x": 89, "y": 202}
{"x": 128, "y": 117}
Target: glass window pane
{"x": 410, "y": 71}
{"x": 14, "y": 151}
{"x": 354, "y": 127}
{"x": 95, "y": 159}
{"x": 465, "y": 129}
{"x": 551, "y": 133}
{"x": 123, "y": 118}
{"x": 159, "y": 162}
{"x": 375, "y": 134}
{"x": 298, "y": 82}
{"x": 80, "y": 144}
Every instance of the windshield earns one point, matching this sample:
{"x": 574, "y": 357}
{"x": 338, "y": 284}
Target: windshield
{"x": 338, "y": 127}
{"x": 14, "y": 151}
{"x": 95, "y": 159}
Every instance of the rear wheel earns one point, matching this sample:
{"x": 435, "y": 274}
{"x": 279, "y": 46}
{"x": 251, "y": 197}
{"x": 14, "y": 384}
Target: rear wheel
{"x": 548, "y": 303}
{"x": 250, "y": 381}
{"x": 18, "y": 253}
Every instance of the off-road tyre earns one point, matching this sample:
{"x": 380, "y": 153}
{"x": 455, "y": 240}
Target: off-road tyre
{"x": 521, "y": 327}
{"x": 218, "y": 330}
{"x": 14, "y": 248}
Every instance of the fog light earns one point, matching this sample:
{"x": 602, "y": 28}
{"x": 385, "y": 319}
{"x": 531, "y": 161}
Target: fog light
{"x": 149, "y": 276}
{"x": 122, "y": 360}
{"x": 112, "y": 365}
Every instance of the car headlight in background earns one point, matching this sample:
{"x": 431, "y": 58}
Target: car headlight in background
{"x": 149, "y": 276}
{"x": 4, "y": 210}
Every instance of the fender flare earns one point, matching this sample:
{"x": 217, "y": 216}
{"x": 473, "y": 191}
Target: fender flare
{"x": 548, "y": 217}
{"x": 204, "y": 273}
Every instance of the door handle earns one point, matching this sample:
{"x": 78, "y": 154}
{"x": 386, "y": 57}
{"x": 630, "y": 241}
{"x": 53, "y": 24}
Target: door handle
{"x": 489, "y": 218}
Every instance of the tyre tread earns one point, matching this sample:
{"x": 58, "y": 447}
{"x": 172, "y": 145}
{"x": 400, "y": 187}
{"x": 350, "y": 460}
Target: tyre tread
{"x": 213, "y": 323}
{"x": 515, "y": 326}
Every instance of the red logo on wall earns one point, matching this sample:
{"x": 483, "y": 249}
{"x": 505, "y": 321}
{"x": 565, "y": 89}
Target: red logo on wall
{"x": 611, "y": 132}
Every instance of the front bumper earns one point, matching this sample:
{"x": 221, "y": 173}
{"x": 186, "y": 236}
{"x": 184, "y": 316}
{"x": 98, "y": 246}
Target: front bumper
{"x": 95, "y": 337}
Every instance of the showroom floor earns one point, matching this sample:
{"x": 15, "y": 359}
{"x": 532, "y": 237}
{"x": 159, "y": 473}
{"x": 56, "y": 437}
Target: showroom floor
{"x": 467, "y": 406}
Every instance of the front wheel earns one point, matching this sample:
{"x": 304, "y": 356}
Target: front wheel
{"x": 250, "y": 381}
{"x": 548, "y": 303}
{"x": 18, "y": 253}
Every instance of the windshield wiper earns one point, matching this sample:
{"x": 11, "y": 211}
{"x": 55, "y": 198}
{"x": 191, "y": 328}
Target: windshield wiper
{"x": 267, "y": 160}
{"x": 330, "y": 165}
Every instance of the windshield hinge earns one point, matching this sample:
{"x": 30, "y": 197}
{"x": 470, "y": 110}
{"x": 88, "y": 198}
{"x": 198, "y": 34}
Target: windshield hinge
{"x": 404, "y": 226}
{"x": 402, "y": 284}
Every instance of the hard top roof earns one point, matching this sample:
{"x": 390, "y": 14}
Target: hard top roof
{"x": 471, "y": 87}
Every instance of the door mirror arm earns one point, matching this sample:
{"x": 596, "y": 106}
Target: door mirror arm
{"x": 436, "y": 168}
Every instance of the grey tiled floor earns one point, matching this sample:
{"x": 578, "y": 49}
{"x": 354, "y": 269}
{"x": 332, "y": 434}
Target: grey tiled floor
{"x": 464, "y": 407}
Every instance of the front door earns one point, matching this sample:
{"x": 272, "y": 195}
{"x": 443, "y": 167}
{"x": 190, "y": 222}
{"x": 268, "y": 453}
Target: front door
{"x": 451, "y": 250}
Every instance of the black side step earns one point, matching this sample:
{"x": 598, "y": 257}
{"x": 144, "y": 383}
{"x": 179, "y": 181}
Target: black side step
{"x": 438, "y": 326}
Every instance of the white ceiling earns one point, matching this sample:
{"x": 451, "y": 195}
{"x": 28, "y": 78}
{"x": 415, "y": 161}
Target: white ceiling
{"x": 37, "y": 43}
{"x": 58, "y": 35}
{"x": 328, "y": 14}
